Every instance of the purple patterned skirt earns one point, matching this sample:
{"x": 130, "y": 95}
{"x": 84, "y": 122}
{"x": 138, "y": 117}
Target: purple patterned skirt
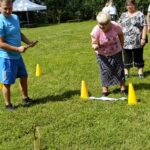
{"x": 111, "y": 69}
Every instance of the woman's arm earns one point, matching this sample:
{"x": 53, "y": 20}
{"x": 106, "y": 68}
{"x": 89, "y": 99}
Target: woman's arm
{"x": 95, "y": 43}
{"x": 148, "y": 21}
{"x": 121, "y": 38}
{"x": 143, "y": 36}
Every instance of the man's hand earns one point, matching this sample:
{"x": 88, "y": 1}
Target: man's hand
{"x": 32, "y": 44}
{"x": 21, "y": 49}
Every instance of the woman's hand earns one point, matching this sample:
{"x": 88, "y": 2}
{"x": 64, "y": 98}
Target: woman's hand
{"x": 143, "y": 42}
{"x": 95, "y": 43}
{"x": 95, "y": 46}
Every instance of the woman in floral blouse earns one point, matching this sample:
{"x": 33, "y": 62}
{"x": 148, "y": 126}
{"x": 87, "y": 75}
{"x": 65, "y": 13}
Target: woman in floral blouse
{"x": 134, "y": 28}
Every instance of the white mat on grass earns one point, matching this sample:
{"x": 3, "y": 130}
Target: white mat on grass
{"x": 103, "y": 98}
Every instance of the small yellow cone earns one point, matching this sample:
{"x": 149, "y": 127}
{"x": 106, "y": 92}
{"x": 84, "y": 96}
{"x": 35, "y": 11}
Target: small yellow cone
{"x": 84, "y": 91}
{"x": 1, "y": 86}
{"x": 131, "y": 95}
{"x": 38, "y": 70}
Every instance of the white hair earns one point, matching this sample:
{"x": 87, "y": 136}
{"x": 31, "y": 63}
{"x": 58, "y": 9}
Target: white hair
{"x": 103, "y": 17}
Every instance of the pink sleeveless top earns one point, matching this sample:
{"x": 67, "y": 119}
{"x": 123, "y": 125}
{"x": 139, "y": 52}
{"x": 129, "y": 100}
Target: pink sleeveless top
{"x": 109, "y": 42}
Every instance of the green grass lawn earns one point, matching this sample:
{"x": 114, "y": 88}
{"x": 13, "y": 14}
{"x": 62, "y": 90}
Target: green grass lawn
{"x": 66, "y": 122}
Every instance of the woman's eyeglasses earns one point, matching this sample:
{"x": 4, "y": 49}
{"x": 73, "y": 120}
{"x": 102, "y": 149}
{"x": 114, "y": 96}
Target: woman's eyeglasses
{"x": 102, "y": 25}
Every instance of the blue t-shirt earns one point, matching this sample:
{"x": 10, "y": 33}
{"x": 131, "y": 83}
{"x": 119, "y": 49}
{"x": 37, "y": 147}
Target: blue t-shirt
{"x": 10, "y": 31}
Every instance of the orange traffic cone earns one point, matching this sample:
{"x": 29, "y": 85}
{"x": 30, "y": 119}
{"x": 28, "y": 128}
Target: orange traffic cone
{"x": 38, "y": 70}
{"x": 84, "y": 90}
{"x": 131, "y": 95}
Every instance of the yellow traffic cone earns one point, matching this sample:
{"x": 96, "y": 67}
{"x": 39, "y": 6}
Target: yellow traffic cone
{"x": 84, "y": 91}
{"x": 131, "y": 95}
{"x": 1, "y": 86}
{"x": 38, "y": 70}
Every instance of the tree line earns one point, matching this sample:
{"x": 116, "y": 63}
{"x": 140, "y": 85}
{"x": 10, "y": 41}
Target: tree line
{"x": 63, "y": 10}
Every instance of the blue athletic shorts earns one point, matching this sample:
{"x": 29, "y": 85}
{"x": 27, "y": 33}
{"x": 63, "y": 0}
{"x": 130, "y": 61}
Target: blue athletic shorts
{"x": 11, "y": 69}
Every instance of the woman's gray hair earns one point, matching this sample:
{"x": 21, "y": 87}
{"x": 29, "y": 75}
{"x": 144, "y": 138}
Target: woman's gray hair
{"x": 103, "y": 17}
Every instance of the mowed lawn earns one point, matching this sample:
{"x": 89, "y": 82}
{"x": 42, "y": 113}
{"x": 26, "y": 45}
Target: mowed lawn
{"x": 63, "y": 120}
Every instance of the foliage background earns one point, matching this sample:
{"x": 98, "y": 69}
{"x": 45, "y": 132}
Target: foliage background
{"x": 63, "y": 10}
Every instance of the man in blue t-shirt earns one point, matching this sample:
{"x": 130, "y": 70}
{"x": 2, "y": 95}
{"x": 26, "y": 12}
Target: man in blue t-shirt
{"x": 11, "y": 62}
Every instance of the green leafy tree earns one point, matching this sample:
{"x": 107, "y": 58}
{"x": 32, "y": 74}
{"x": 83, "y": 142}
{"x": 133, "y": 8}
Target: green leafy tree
{"x": 63, "y": 10}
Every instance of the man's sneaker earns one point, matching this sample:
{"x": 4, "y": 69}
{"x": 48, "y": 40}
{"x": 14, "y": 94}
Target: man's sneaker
{"x": 10, "y": 107}
{"x": 26, "y": 101}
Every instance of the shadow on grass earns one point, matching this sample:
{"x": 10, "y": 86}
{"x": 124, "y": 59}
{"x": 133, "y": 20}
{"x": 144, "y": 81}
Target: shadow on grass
{"x": 147, "y": 73}
{"x": 115, "y": 91}
{"x": 142, "y": 86}
{"x": 53, "y": 98}
{"x": 37, "y": 25}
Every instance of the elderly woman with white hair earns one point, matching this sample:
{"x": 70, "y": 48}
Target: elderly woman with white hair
{"x": 107, "y": 41}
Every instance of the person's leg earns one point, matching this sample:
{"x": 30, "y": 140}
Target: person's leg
{"x": 123, "y": 89}
{"x": 6, "y": 94}
{"x": 138, "y": 60}
{"x": 24, "y": 87}
{"x": 22, "y": 74}
{"x": 140, "y": 71}
{"x": 26, "y": 101}
{"x": 126, "y": 71}
{"x": 7, "y": 77}
{"x": 128, "y": 61}
{"x": 104, "y": 89}
{"x": 103, "y": 74}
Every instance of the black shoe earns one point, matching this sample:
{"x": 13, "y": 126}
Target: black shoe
{"x": 105, "y": 94}
{"x": 124, "y": 92}
{"x": 10, "y": 107}
{"x": 26, "y": 101}
{"x": 141, "y": 76}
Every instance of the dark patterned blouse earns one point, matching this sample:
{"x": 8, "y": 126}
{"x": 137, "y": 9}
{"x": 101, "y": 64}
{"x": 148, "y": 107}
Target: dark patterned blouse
{"x": 132, "y": 28}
